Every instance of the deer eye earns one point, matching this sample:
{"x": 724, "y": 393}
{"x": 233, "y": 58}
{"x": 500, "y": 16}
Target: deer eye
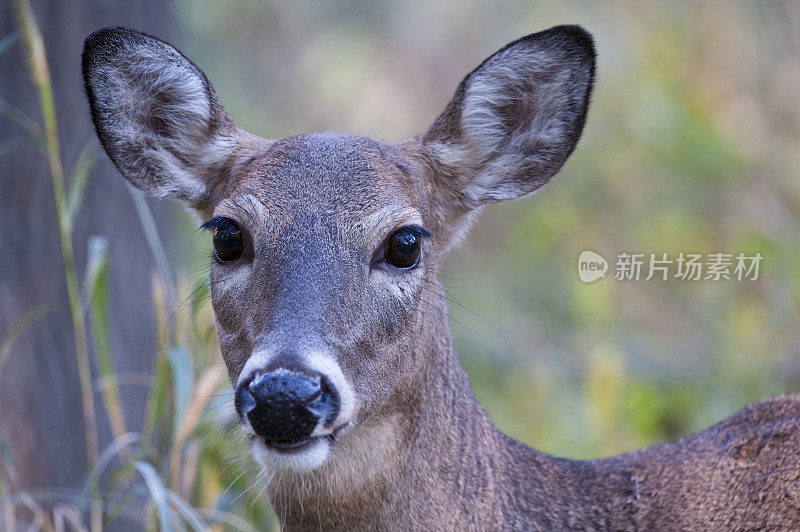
{"x": 228, "y": 243}
{"x": 403, "y": 248}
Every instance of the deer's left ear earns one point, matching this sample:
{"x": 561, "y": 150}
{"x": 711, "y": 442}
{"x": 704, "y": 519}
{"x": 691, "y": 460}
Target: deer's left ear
{"x": 515, "y": 119}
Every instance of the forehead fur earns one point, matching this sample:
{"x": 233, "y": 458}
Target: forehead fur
{"x": 309, "y": 176}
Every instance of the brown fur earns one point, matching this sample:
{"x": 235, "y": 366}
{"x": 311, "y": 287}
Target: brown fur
{"x": 418, "y": 451}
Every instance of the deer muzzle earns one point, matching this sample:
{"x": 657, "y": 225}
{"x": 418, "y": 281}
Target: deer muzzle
{"x": 285, "y": 407}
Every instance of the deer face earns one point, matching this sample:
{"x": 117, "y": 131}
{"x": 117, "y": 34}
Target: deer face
{"x": 319, "y": 283}
{"x": 325, "y": 246}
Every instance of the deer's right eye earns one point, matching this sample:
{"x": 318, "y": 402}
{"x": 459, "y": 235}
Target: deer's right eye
{"x": 228, "y": 242}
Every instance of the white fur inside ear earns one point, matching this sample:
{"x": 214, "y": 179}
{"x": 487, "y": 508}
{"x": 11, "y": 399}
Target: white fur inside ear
{"x": 517, "y": 81}
{"x": 156, "y": 115}
{"x": 520, "y": 116}
{"x": 159, "y": 92}
{"x": 167, "y": 102}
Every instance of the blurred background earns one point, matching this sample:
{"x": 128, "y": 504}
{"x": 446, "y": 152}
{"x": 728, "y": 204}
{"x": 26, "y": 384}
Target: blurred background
{"x": 692, "y": 145}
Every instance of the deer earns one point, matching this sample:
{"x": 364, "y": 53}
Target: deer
{"x": 334, "y": 329}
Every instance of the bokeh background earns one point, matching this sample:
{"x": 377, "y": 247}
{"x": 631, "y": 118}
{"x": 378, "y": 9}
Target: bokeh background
{"x": 692, "y": 145}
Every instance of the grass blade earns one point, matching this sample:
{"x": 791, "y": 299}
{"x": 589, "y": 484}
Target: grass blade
{"x": 65, "y": 513}
{"x": 28, "y": 319}
{"x": 80, "y": 176}
{"x": 190, "y": 515}
{"x": 158, "y": 493}
{"x": 8, "y": 41}
{"x": 24, "y": 121}
{"x": 159, "y": 393}
{"x": 221, "y": 516}
{"x": 154, "y": 241}
{"x": 7, "y": 460}
{"x": 97, "y": 288}
{"x": 15, "y": 144}
{"x": 182, "y": 382}
{"x": 118, "y": 447}
{"x": 201, "y": 396}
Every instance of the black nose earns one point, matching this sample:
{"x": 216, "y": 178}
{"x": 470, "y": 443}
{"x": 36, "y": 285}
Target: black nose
{"x": 285, "y": 407}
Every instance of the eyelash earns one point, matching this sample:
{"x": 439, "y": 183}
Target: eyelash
{"x": 217, "y": 222}
{"x": 416, "y": 230}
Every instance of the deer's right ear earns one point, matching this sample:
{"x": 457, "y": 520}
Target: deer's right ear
{"x": 157, "y": 116}
{"x": 514, "y": 120}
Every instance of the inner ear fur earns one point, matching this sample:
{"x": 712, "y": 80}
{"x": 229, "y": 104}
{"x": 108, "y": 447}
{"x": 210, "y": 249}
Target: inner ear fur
{"x": 515, "y": 119}
{"x": 157, "y": 116}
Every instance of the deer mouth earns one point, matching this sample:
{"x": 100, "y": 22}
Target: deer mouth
{"x": 288, "y": 447}
{"x": 296, "y": 454}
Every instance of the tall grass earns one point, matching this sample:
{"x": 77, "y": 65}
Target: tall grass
{"x": 40, "y": 73}
{"x": 185, "y": 468}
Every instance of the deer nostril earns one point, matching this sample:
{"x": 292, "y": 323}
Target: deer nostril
{"x": 329, "y": 402}
{"x": 244, "y": 401}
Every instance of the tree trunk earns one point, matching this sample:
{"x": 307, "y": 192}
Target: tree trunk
{"x": 40, "y": 403}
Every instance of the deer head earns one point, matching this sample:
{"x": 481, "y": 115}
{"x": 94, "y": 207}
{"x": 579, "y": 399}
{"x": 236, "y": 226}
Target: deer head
{"x": 323, "y": 279}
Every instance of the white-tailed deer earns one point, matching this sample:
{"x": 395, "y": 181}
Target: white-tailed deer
{"x": 334, "y": 329}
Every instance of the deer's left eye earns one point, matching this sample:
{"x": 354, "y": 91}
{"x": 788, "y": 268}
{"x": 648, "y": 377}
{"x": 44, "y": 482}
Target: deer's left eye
{"x": 403, "y": 248}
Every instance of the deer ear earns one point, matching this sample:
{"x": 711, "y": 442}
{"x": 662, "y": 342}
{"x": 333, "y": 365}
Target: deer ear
{"x": 157, "y": 116}
{"x": 515, "y": 119}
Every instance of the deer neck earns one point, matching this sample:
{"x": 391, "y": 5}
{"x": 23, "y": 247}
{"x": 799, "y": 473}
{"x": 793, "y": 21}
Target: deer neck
{"x": 431, "y": 456}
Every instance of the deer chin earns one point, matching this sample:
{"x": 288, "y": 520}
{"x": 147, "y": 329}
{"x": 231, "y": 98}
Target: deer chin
{"x": 298, "y": 457}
